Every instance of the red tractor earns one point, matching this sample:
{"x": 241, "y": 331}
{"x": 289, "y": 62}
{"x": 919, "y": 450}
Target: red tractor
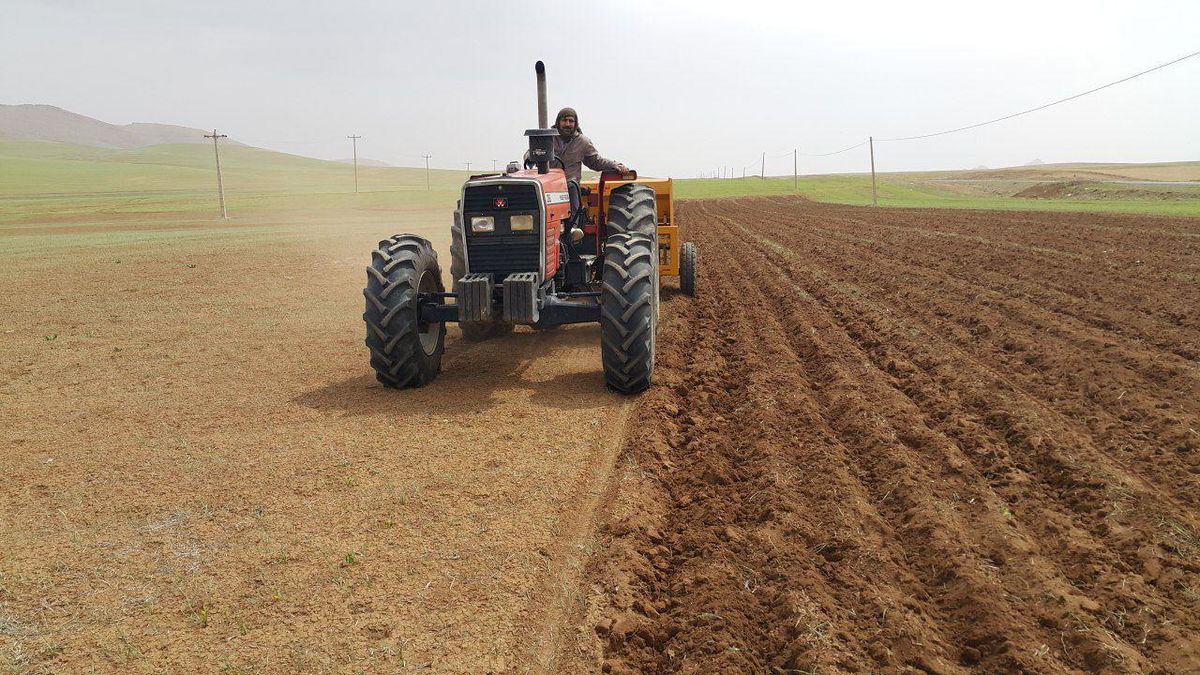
{"x": 531, "y": 247}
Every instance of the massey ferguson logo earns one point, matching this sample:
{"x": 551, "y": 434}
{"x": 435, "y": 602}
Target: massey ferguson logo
{"x": 501, "y": 203}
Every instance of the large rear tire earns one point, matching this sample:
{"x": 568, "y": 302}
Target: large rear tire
{"x": 404, "y": 352}
{"x": 631, "y": 210}
{"x": 687, "y": 268}
{"x": 629, "y": 312}
{"x": 473, "y": 332}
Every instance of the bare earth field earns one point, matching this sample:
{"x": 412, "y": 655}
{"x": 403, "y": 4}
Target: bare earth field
{"x": 915, "y": 441}
{"x": 880, "y": 440}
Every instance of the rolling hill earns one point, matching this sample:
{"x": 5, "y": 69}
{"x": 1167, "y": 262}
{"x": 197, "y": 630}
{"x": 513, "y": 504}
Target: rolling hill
{"x": 36, "y": 122}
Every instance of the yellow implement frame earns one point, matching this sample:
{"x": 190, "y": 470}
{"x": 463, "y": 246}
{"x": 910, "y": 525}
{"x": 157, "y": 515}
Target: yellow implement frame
{"x": 668, "y": 232}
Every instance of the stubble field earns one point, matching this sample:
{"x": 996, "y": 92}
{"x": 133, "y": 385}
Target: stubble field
{"x": 879, "y": 440}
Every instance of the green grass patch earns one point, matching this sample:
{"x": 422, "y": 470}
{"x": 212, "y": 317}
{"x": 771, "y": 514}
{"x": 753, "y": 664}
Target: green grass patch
{"x": 50, "y": 185}
{"x": 909, "y": 191}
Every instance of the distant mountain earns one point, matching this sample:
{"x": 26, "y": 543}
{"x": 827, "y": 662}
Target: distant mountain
{"x": 51, "y": 123}
{"x": 1034, "y": 162}
{"x": 362, "y": 161}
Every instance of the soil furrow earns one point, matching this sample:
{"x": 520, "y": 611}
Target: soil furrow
{"x": 1030, "y": 359}
{"x": 838, "y": 474}
{"x": 864, "y": 324}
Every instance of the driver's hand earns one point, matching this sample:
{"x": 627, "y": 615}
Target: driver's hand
{"x": 622, "y": 168}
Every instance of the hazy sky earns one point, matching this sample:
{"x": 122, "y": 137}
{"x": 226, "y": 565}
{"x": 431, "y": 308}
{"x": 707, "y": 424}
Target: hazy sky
{"x": 670, "y": 88}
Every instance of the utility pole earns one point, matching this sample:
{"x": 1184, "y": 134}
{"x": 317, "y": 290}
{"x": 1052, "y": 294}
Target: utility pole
{"x": 743, "y": 172}
{"x": 427, "y": 170}
{"x": 874, "y": 196}
{"x": 468, "y": 167}
{"x": 220, "y": 186}
{"x": 354, "y": 140}
{"x": 763, "y": 175}
{"x": 493, "y": 166}
{"x": 795, "y": 172}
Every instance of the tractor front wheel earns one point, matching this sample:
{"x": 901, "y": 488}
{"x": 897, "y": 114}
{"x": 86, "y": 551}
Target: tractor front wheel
{"x": 405, "y": 352}
{"x": 628, "y": 311}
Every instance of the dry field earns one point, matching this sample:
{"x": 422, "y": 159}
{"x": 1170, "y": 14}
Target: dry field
{"x": 200, "y": 473}
{"x": 880, "y": 441}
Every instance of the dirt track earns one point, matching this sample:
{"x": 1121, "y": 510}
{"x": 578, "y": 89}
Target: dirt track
{"x": 886, "y": 440}
{"x": 880, "y": 440}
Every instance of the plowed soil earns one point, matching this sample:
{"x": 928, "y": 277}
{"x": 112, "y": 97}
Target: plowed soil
{"x": 914, "y": 441}
{"x": 878, "y": 441}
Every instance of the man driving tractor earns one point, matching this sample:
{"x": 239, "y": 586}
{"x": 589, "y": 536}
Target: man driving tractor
{"x": 533, "y": 247}
{"x": 574, "y": 149}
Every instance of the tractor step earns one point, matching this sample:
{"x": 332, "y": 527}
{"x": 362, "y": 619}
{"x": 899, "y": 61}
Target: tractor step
{"x": 474, "y": 298}
{"x": 521, "y": 297}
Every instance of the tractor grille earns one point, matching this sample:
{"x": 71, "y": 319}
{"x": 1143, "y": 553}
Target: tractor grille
{"x": 502, "y": 252}
{"x": 518, "y": 196}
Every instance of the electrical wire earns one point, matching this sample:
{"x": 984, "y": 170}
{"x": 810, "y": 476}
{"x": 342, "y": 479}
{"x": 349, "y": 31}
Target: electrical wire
{"x": 992, "y": 121}
{"x": 835, "y": 152}
{"x": 1041, "y": 107}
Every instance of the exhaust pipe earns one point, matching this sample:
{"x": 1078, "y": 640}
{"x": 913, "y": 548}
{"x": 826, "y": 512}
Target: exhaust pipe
{"x": 541, "y": 139}
{"x": 541, "y": 94}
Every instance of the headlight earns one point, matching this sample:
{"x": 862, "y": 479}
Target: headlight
{"x": 521, "y": 223}
{"x": 483, "y": 224}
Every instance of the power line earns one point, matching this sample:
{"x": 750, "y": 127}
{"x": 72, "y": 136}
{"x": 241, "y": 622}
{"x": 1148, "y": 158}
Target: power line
{"x": 874, "y": 195}
{"x": 1043, "y": 107}
{"x": 220, "y": 186}
{"x": 354, "y": 139}
{"x": 835, "y": 152}
{"x": 1005, "y": 117}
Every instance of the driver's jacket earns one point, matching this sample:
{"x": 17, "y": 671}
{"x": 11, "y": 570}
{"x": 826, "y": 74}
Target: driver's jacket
{"x": 577, "y": 151}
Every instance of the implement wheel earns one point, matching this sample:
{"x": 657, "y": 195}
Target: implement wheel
{"x": 473, "y": 332}
{"x": 404, "y": 351}
{"x": 628, "y": 311}
{"x": 687, "y": 268}
{"x": 631, "y": 210}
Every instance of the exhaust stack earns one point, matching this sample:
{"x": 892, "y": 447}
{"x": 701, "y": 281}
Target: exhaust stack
{"x": 541, "y": 139}
{"x": 540, "y": 68}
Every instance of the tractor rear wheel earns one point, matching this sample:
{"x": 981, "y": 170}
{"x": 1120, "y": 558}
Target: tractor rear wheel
{"x": 472, "y": 332}
{"x": 629, "y": 312}
{"x": 687, "y": 268}
{"x": 631, "y": 210}
{"x": 404, "y": 351}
